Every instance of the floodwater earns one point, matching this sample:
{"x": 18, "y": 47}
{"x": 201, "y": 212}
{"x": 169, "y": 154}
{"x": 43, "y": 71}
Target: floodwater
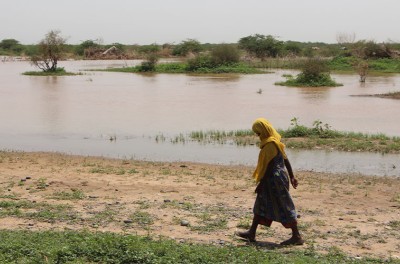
{"x": 79, "y": 114}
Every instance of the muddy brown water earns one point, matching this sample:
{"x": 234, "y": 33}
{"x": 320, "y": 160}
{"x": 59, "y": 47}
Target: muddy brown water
{"x": 79, "y": 114}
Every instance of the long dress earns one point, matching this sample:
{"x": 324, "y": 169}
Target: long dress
{"x": 273, "y": 202}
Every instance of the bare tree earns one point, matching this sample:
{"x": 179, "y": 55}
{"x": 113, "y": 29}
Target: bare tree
{"x": 361, "y": 67}
{"x": 345, "y": 38}
{"x": 51, "y": 50}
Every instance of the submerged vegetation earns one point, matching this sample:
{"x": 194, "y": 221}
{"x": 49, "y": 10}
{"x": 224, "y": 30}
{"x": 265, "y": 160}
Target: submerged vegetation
{"x": 58, "y": 72}
{"x": 297, "y": 136}
{"x": 99, "y": 247}
{"x": 391, "y": 95}
{"x": 314, "y": 73}
{"x": 177, "y": 67}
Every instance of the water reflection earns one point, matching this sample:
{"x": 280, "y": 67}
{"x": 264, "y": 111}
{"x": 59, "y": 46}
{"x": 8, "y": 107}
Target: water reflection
{"x": 314, "y": 94}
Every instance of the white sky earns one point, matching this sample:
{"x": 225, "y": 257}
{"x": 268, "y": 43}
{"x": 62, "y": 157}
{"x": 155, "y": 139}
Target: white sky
{"x": 213, "y": 21}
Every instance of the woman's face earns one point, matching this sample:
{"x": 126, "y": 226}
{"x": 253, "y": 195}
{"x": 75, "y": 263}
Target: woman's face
{"x": 261, "y": 129}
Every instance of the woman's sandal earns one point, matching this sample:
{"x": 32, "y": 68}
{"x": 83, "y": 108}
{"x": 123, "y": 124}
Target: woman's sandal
{"x": 245, "y": 235}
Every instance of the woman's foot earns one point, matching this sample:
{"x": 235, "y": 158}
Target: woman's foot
{"x": 294, "y": 240}
{"x": 246, "y": 235}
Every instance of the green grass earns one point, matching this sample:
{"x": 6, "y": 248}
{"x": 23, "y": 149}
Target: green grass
{"x": 58, "y": 72}
{"x": 142, "y": 218}
{"x": 338, "y": 63}
{"x": 208, "y": 223}
{"x": 180, "y": 67}
{"x": 73, "y": 195}
{"x": 104, "y": 217}
{"x": 375, "y": 65}
{"x": 86, "y": 247}
{"x": 320, "y": 136}
{"x": 279, "y": 63}
{"x": 107, "y": 170}
{"x": 37, "y": 211}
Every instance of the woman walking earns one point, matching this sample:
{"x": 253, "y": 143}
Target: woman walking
{"x": 273, "y": 202}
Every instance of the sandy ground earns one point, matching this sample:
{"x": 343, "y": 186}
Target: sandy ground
{"x": 191, "y": 202}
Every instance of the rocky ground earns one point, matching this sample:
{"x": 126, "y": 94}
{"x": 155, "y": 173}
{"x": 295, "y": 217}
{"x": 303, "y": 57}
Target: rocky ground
{"x": 196, "y": 203}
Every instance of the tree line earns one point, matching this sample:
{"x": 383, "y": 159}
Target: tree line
{"x": 249, "y": 49}
{"x": 256, "y": 46}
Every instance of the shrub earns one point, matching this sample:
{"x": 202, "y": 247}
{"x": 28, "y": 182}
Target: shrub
{"x": 149, "y": 49}
{"x": 189, "y": 45}
{"x": 225, "y": 54}
{"x": 313, "y": 68}
{"x": 149, "y": 65}
{"x": 80, "y": 49}
{"x": 261, "y": 46}
{"x": 315, "y": 73}
{"x": 200, "y": 61}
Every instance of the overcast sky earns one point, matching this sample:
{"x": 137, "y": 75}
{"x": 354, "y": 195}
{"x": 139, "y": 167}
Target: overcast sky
{"x": 212, "y": 21}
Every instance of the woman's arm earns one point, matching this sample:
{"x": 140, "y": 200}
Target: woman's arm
{"x": 293, "y": 180}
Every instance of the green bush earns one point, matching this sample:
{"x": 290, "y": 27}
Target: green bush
{"x": 341, "y": 63}
{"x": 313, "y": 69}
{"x": 225, "y": 54}
{"x": 200, "y": 61}
{"x": 186, "y": 46}
{"x": 149, "y": 49}
{"x": 261, "y": 46}
{"x": 149, "y": 65}
{"x": 315, "y": 73}
{"x": 80, "y": 49}
{"x": 323, "y": 79}
{"x": 175, "y": 67}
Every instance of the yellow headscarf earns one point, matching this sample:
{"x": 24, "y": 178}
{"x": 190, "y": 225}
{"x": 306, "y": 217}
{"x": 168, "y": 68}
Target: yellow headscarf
{"x": 267, "y": 133}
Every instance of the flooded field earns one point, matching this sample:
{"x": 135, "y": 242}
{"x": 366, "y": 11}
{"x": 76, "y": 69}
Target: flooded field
{"x": 79, "y": 114}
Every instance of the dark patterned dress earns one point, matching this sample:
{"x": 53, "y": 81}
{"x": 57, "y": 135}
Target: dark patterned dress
{"x": 273, "y": 202}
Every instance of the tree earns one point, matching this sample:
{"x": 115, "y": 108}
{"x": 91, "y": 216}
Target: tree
{"x": 345, "y": 38}
{"x": 50, "y": 50}
{"x": 261, "y": 46}
{"x": 8, "y": 44}
{"x": 361, "y": 66}
{"x": 80, "y": 49}
{"x": 186, "y": 46}
{"x": 293, "y": 48}
{"x": 364, "y": 50}
{"x": 225, "y": 54}
{"x": 149, "y": 49}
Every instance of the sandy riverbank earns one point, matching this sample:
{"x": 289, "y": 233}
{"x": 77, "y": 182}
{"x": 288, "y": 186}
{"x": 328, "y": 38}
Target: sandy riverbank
{"x": 41, "y": 191}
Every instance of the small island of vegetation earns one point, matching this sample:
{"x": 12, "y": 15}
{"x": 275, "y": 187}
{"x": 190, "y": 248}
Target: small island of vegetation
{"x": 315, "y": 73}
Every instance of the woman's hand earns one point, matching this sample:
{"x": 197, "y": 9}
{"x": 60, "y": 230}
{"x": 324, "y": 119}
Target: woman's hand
{"x": 294, "y": 182}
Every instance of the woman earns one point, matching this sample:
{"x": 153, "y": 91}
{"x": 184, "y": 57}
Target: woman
{"x": 273, "y": 202}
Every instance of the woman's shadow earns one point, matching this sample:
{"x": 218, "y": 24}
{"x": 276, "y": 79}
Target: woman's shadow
{"x": 262, "y": 244}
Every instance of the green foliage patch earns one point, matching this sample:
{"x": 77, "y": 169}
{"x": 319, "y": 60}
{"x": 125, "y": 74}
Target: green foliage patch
{"x": 58, "y": 72}
{"x": 200, "y": 66}
{"x": 86, "y": 247}
{"x": 320, "y": 135}
{"x": 314, "y": 73}
{"x": 301, "y": 80}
